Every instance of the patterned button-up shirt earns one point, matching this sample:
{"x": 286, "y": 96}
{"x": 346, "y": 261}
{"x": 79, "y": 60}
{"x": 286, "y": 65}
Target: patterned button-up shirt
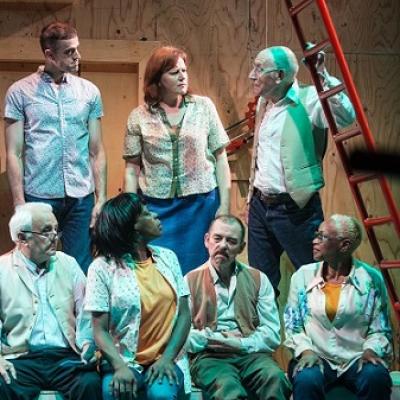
{"x": 56, "y": 136}
{"x": 112, "y": 288}
{"x": 187, "y": 157}
{"x": 361, "y": 321}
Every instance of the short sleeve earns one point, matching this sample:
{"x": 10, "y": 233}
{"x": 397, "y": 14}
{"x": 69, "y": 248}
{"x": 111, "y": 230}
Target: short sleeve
{"x": 96, "y": 110}
{"x": 98, "y": 287}
{"x": 133, "y": 140}
{"x": 217, "y": 137}
{"x": 13, "y": 104}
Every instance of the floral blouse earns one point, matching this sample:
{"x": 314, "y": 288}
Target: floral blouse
{"x": 113, "y": 288}
{"x": 187, "y": 157}
{"x": 361, "y": 321}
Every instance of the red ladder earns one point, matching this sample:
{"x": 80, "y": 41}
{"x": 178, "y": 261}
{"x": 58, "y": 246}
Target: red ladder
{"x": 354, "y": 179}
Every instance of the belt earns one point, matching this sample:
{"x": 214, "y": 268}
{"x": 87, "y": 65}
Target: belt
{"x": 274, "y": 198}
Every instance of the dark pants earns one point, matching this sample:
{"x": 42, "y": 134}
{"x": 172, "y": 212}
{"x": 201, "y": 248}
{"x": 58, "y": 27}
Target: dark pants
{"x": 158, "y": 390}
{"x": 229, "y": 376}
{"x": 73, "y": 216}
{"x": 371, "y": 383}
{"x": 56, "y": 369}
{"x": 282, "y": 227}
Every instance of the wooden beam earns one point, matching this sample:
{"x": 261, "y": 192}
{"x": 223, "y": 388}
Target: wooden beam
{"x": 97, "y": 55}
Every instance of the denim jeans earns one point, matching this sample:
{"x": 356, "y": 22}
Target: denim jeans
{"x": 371, "y": 383}
{"x": 163, "y": 390}
{"x": 282, "y": 227}
{"x": 73, "y": 216}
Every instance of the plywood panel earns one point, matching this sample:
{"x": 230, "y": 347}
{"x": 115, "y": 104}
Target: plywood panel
{"x": 119, "y": 93}
{"x": 364, "y": 26}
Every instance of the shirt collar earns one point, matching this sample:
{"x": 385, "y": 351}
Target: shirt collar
{"x": 214, "y": 275}
{"x": 48, "y": 78}
{"x": 187, "y": 98}
{"x": 29, "y": 264}
{"x": 130, "y": 262}
{"x": 354, "y": 278}
{"x": 291, "y": 95}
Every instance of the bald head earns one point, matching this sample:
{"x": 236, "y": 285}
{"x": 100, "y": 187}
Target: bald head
{"x": 280, "y": 58}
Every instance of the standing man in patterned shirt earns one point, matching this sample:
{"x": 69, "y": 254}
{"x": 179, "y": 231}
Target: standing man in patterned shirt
{"x": 54, "y": 147}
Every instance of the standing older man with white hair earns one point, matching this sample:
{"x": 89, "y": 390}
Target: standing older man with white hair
{"x": 286, "y": 174}
{"x": 336, "y": 319}
{"x": 46, "y": 338}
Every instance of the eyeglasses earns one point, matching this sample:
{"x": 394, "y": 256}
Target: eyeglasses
{"x": 48, "y": 234}
{"x": 324, "y": 238}
{"x": 258, "y": 69}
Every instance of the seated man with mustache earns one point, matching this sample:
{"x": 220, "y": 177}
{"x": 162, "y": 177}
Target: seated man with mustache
{"x": 235, "y": 321}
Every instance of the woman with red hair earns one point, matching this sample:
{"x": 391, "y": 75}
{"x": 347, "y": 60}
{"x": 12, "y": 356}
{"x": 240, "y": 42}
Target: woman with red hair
{"x": 175, "y": 155}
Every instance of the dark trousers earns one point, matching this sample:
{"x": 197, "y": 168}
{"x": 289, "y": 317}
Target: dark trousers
{"x": 282, "y": 227}
{"x": 73, "y": 216}
{"x": 371, "y": 383}
{"x": 230, "y": 376}
{"x": 52, "y": 369}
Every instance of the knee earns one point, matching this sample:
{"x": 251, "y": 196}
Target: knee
{"x": 308, "y": 378}
{"x": 375, "y": 376}
{"x": 162, "y": 393}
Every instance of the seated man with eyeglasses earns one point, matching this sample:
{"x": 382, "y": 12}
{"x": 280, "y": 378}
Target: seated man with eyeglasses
{"x": 46, "y": 337}
{"x": 336, "y": 319}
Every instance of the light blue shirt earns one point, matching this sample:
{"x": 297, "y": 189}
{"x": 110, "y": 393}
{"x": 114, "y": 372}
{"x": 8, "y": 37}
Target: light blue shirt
{"x": 46, "y": 331}
{"x": 56, "y": 135}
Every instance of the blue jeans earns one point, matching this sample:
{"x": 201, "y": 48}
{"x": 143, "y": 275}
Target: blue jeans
{"x": 282, "y": 227}
{"x": 73, "y": 216}
{"x": 371, "y": 383}
{"x": 157, "y": 391}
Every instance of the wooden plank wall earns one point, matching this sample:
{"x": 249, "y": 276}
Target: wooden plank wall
{"x": 221, "y": 37}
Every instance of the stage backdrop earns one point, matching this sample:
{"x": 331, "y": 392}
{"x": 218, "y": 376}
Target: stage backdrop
{"x": 222, "y": 37}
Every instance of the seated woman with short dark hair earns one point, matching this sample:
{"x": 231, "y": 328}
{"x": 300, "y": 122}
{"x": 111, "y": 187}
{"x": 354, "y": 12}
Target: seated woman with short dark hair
{"x": 139, "y": 304}
{"x": 336, "y": 319}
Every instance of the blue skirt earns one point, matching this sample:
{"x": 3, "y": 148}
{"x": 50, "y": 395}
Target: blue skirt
{"x": 185, "y": 220}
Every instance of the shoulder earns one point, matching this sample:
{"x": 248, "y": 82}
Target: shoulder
{"x": 368, "y": 272}
{"x": 201, "y": 100}
{"x": 306, "y": 272}
{"x": 22, "y": 83}
{"x": 194, "y": 273}
{"x": 84, "y": 83}
{"x": 66, "y": 263}
{"x": 164, "y": 254}
{"x": 5, "y": 261}
{"x": 139, "y": 112}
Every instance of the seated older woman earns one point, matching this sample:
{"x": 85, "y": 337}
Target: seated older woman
{"x": 139, "y": 304}
{"x": 336, "y": 319}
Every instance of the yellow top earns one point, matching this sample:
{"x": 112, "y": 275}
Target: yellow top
{"x": 158, "y": 306}
{"x": 332, "y": 295}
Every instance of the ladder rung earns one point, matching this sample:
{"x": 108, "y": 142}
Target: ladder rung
{"x": 299, "y": 7}
{"x": 331, "y": 92}
{"x": 370, "y": 222}
{"x": 345, "y": 135}
{"x": 316, "y": 48}
{"x": 359, "y": 178}
{"x": 389, "y": 264}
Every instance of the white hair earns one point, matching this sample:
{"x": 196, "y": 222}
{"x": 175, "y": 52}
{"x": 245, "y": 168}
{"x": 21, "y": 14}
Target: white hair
{"x": 22, "y": 218}
{"x": 347, "y": 227}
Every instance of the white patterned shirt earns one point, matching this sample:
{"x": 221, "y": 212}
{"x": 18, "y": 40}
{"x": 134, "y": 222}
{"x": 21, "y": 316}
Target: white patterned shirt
{"x": 361, "y": 320}
{"x": 56, "y": 136}
{"x": 112, "y": 288}
{"x": 187, "y": 157}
